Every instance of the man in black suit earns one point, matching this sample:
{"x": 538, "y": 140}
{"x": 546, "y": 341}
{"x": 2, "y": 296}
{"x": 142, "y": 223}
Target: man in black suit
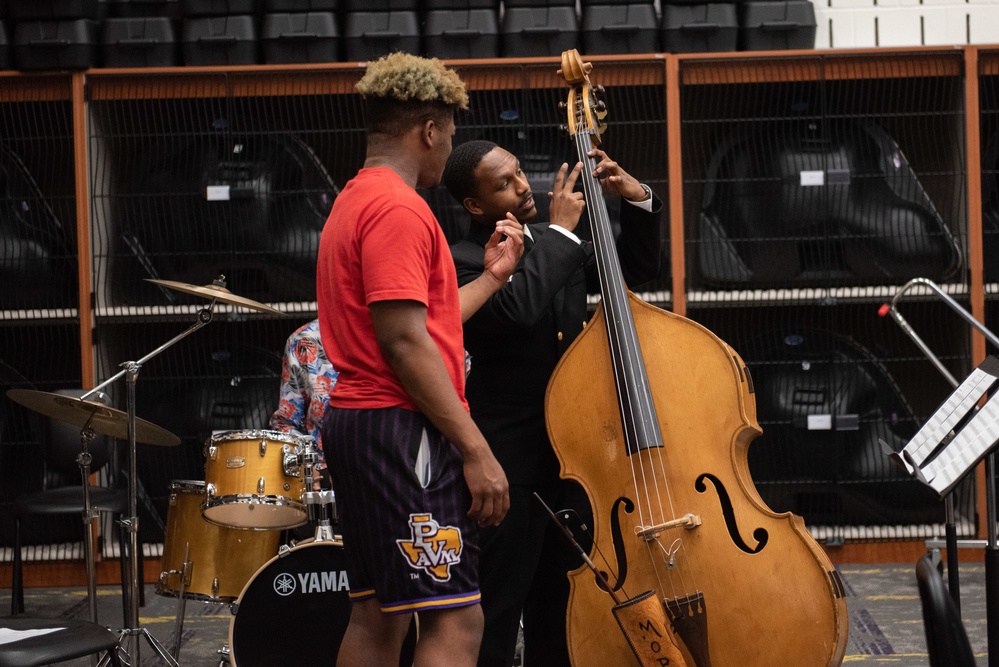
{"x": 515, "y": 341}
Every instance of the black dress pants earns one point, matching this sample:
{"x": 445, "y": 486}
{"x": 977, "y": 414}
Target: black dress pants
{"x": 523, "y": 565}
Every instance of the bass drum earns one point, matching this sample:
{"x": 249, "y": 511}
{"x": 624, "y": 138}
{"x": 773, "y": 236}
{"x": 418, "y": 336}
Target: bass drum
{"x": 295, "y": 610}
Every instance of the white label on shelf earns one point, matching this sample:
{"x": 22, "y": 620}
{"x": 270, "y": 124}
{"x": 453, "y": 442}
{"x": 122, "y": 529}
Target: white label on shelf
{"x": 819, "y": 422}
{"x": 217, "y": 193}
{"x": 813, "y": 178}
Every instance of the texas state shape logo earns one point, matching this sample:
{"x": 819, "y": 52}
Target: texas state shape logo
{"x": 433, "y": 548}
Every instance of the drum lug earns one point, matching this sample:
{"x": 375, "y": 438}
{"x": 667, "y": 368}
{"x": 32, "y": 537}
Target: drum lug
{"x": 292, "y": 462}
{"x": 215, "y": 587}
{"x": 172, "y": 502}
{"x": 260, "y": 486}
{"x": 210, "y": 490}
{"x": 212, "y": 452}
{"x": 263, "y": 448}
{"x": 283, "y": 550}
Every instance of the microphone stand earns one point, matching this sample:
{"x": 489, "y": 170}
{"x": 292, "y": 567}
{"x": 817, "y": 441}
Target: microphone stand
{"x": 992, "y": 543}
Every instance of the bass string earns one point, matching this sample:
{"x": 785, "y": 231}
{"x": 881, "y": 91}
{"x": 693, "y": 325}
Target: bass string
{"x": 627, "y": 358}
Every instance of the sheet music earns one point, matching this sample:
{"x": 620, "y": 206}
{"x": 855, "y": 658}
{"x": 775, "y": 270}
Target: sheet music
{"x": 960, "y": 403}
{"x": 8, "y": 635}
{"x": 969, "y": 445}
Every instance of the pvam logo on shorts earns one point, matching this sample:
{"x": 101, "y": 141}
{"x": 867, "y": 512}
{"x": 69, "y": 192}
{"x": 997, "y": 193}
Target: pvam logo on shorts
{"x": 286, "y": 584}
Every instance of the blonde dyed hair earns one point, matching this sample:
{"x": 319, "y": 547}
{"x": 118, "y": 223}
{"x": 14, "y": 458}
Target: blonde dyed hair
{"x": 405, "y": 77}
{"x": 400, "y": 90}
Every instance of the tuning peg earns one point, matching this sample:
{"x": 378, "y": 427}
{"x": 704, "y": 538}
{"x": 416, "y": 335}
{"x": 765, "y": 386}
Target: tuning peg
{"x": 563, "y": 130}
{"x": 599, "y": 91}
{"x": 562, "y": 106}
{"x": 600, "y": 106}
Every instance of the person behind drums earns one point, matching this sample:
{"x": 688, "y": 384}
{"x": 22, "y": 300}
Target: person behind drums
{"x": 307, "y": 377}
{"x": 414, "y": 476}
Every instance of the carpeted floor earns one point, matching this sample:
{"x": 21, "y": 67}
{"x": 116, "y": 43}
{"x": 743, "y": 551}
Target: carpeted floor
{"x": 886, "y": 626}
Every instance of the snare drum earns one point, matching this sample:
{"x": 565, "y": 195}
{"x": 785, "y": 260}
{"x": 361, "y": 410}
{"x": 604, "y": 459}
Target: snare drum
{"x": 255, "y": 479}
{"x": 220, "y": 560}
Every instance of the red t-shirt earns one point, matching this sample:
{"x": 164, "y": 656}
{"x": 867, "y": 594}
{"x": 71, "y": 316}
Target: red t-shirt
{"x": 382, "y": 242}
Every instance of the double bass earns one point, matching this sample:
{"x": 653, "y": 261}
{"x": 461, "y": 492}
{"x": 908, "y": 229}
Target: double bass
{"x": 658, "y": 439}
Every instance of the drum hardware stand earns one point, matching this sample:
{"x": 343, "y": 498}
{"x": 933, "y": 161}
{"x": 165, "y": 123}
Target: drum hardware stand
{"x": 320, "y": 506}
{"x": 937, "y": 435}
{"x": 84, "y": 459}
{"x": 130, "y": 371}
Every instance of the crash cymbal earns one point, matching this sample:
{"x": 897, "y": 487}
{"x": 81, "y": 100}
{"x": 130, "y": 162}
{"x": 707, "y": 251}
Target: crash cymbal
{"x": 104, "y": 420}
{"x": 217, "y": 292}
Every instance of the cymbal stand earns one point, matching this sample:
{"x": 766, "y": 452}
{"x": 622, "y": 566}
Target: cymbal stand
{"x": 992, "y": 542}
{"x": 83, "y": 459}
{"x": 130, "y": 371}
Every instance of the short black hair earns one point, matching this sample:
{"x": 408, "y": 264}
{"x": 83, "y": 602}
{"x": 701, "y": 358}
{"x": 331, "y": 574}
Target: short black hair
{"x": 459, "y": 172}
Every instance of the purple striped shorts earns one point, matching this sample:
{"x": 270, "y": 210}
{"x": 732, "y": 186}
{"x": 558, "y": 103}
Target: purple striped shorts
{"x": 402, "y": 502}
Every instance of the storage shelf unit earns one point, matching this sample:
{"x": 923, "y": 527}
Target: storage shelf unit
{"x": 813, "y": 186}
{"x": 191, "y": 173}
{"x": 39, "y": 302}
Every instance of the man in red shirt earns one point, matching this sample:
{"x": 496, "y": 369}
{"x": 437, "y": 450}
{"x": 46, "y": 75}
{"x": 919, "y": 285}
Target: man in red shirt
{"x": 413, "y": 474}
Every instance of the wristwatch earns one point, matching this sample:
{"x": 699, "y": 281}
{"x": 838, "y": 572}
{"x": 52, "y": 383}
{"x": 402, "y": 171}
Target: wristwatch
{"x": 648, "y": 191}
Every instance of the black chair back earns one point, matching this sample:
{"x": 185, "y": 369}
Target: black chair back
{"x": 946, "y": 639}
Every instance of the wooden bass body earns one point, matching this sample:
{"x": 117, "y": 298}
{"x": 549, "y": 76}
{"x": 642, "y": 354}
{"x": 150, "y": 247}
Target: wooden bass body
{"x": 746, "y": 587}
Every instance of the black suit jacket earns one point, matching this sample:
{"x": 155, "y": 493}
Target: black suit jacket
{"x": 518, "y": 336}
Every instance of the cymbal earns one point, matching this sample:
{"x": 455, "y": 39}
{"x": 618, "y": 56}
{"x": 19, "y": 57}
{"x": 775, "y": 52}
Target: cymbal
{"x": 217, "y": 292}
{"x": 106, "y": 420}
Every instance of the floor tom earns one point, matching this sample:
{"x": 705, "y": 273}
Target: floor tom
{"x": 219, "y": 560}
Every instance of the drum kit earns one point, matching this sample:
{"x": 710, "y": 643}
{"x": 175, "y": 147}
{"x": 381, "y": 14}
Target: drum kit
{"x": 222, "y": 534}
{"x": 221, "y": 546}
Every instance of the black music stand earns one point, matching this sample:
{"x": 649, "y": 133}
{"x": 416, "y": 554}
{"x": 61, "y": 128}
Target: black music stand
{"x": 953, "y": 579}
{"x": 948, "y": 447}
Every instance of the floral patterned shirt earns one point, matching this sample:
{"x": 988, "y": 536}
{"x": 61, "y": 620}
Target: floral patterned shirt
{"x": 307, "y": 377}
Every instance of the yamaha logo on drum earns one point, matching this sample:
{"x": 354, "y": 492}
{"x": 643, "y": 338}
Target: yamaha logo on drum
{"x": 311, "y": 582}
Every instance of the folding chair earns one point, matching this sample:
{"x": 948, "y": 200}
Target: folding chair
{"x": 63, "y": 639}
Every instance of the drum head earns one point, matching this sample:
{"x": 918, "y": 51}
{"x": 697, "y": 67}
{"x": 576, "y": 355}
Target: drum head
{"x": 258, "y": 434}
{"x": 295, "y": 608}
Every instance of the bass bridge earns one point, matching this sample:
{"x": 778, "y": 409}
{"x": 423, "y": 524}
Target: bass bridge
{"x": 650, "y": 533}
